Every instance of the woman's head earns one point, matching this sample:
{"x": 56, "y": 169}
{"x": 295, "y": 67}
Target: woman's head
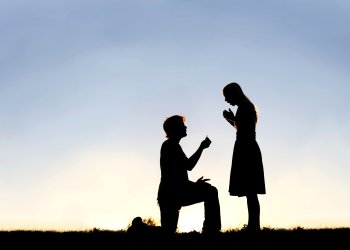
{"x": 233, "y": 94}
{"x": 174, "y": 126}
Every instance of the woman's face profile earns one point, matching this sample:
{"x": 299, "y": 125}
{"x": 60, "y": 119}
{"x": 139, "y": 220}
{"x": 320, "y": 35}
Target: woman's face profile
{"x": 229, "y": 98}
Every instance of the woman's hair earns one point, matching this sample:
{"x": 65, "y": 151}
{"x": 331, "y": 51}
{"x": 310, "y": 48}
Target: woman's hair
{"x": 171, "y": 124}
{"x": 234, "y": 89}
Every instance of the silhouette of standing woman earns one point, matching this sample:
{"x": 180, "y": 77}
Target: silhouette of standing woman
{"x": 175, "y": 189}
{"x": 247, "y": 172}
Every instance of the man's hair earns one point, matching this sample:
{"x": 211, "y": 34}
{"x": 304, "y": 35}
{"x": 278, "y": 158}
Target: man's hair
{"x": 171, "y": 124}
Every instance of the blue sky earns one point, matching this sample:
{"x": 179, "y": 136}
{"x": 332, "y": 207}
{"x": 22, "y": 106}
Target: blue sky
{"x": 86, "y": 85}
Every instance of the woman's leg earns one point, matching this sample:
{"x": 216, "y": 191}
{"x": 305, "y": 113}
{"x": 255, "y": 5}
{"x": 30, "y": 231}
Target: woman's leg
{"x": 253, "y": 212}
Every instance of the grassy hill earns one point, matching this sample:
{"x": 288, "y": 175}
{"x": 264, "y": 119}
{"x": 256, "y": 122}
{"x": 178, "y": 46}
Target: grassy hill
{"x": 104, "y": 239}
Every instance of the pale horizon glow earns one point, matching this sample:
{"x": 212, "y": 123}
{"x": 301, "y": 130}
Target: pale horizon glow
{"x": 86, "y": 85}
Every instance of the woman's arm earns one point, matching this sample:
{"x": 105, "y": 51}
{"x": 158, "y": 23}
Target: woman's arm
{"x": 229, "y": 116}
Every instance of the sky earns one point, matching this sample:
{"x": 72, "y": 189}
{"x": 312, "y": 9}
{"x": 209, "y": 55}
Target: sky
{"x": 85, "y": 87}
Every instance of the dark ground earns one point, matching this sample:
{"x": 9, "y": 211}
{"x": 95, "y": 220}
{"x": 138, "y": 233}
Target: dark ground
{"x": 338, "y": 238}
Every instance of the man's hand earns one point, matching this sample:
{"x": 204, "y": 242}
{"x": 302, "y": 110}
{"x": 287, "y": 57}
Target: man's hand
{"x": 206, "y": 142}
{"x": 201, "y": 180}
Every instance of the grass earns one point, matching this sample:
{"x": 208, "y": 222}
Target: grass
{"x": 103, "y": 239}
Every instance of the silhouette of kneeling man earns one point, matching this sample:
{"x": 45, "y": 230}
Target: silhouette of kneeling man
{"x": 175, "y": 189}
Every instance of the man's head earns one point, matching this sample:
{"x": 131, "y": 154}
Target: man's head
{"x": 174, "y": 126}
